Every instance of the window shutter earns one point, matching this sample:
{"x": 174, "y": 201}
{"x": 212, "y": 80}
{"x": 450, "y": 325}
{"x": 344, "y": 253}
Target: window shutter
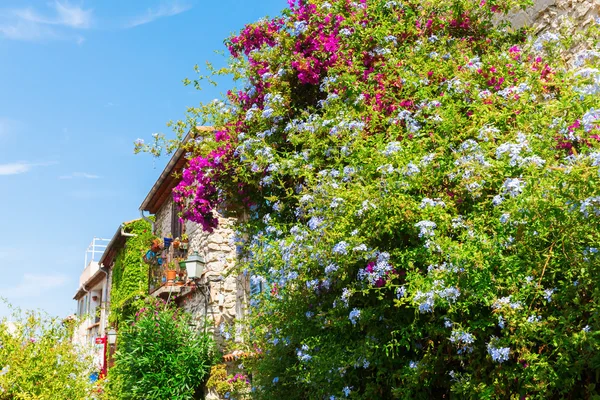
{"x": 176, "y": 225}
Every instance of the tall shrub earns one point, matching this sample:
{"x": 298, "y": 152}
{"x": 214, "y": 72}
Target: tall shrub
{"x": 160, "y": 356}
{"x": 422, "y": 187}
{"x": 39, "y": 361}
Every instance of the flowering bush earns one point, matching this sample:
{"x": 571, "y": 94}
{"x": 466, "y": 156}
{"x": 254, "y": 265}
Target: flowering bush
{"x": 159, "y": 355}
{"x": 39, "y": 361}
{"x": 422, "y": 192}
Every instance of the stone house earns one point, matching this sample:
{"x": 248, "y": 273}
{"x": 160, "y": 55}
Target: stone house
{"x": 219, "y": 297}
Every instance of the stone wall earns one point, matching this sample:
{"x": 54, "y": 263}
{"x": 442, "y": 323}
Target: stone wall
{"x": 547, "y": 14}
{"x": 221, "y": 295}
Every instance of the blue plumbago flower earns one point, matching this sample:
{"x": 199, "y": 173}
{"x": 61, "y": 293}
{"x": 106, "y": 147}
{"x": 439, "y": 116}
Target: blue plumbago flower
{"x": 586, "y": 328}
{"x": 347, "y": 391}
{"x": 427, "y": 202}
{"x": 354, "y": 316}
{"x": 426, "y": 301}
{"x": 513, "y": 186}
{"x": 426, "y": 160}
{"x": 302, "y": 354}
{"x": 497, "y": 200}
{"x": 548, "y": 294}
{"x": 592, "y": 203}
{"x": 426, "y": 228}
{"x": 336, "y": 202}
{"x": 534, "y": 318}
{"x": 341, "y": 248}
{"x": 315, "y": 222}
{"x": 391, "y": 38}
{"x": 450, "y": 293}
{"x": 463, "y": 341}
{"x": 400, "y": 292}
{"x": 501, "y": 322}
{"x": 275, "y": 380}
{"x": 391, "y": 148}
{"x": 448, "y": 323}
{"x": 413, "y": 365}
{"x": 309, "y": 314}
{"x": 411, "y": 169}
{"x": 366, "y": 205}
{"x": 529, "y": 279}
{"x": 498, "y": 354}
{"x": 299, "y": 27}
{"x": 590, "y": 119}
{"x": 504, "y": 218}
{"x": 5, "y": 370}
{"x": 346, "y": 296}
{"x": 545, "y": 37}
{"x": 506, "y": 301}
{"x": 366, "y": 364}
{"x": 361, "y": 247}
{"x": 331, "y": 268}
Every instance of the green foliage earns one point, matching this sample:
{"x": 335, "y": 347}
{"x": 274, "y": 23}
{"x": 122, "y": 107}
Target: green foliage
{"x": 39, "y": 361}
{"x": 160, "y": 356}
{"x": 229, "y": 386}
{"x": 130, "y": 273}
{"x": 423, "y": 203}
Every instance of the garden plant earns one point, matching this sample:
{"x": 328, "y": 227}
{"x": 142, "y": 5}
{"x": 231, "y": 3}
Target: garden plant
{"x": 39, "y": 361}
{"x": 160, "y": 355}
{"x": 417, "y": 186}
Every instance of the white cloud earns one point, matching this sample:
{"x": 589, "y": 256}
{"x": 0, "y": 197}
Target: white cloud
{"x": 164, "y": 10}
{"x": 15, "y": 168}
{"x": 20, "y": 167}
{"x": 82, "y": 175}
{"x": 31, "y": 25}
{"x": 33, "y": 285}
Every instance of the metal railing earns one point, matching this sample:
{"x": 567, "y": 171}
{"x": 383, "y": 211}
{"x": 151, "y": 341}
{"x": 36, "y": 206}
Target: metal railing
{"x": 95, "y": 250}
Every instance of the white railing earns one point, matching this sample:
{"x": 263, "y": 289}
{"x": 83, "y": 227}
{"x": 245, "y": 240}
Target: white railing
{"x": 95, "y": 250}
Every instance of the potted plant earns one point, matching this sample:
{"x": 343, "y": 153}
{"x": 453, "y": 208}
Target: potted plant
{"x": 167, "y": 241}
{"x": 184, "y": 242}
{"x": 176, "y": 243}
{"x": 156, "y": 245}
{"x": 171, "y": 273}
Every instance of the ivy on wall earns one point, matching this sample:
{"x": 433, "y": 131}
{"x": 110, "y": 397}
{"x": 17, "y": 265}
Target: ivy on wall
{"x": 130, "y": 273}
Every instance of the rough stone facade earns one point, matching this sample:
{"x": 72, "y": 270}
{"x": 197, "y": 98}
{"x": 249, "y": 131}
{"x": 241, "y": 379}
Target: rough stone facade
{"x": 221, "y": 295}
{"x": 547, "y": 14}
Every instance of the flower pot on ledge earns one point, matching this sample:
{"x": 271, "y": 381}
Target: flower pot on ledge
{"x": 171, "y": 275}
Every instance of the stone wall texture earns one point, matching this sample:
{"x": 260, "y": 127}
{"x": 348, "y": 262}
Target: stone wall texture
{"x": 546, "y": 14}
{"x": 221, "y": 295}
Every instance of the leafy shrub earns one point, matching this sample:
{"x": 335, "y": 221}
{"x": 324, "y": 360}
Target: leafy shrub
{"x": 422, "y": 187}
{"x": 39, "y": 361}
{"x": 160, "y": 356}
{"x": 130, "y": 273}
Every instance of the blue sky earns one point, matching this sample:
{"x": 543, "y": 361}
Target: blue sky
{"x": 79, "y": 82}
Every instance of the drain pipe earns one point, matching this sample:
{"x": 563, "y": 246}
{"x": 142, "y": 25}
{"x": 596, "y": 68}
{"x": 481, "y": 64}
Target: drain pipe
{"x": 147, "y": 220}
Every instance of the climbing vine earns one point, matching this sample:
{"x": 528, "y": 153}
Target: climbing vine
{"x": 130, "y": 273}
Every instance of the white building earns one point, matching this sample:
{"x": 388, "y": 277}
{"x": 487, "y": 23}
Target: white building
{"x": 92, "y": 298}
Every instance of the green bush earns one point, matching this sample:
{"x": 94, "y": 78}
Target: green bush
{"x": 422, "y": 188}
{"x": 39, "y": 361}
{"x": 160, "y": 356}
{"x": 130, "y": 273}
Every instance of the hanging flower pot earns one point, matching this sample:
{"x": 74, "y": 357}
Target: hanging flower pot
{"x": 156, "y": 245}
{"x": 167, "y": 242}
{"x": 176, "y": 243}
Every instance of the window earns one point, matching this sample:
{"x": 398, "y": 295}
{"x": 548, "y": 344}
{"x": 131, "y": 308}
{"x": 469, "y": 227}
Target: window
{"x": 176, "y": 225}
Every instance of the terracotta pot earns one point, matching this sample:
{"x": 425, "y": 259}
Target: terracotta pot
{"x": 171, "y": 275}
{"x": 176, "y": 244}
